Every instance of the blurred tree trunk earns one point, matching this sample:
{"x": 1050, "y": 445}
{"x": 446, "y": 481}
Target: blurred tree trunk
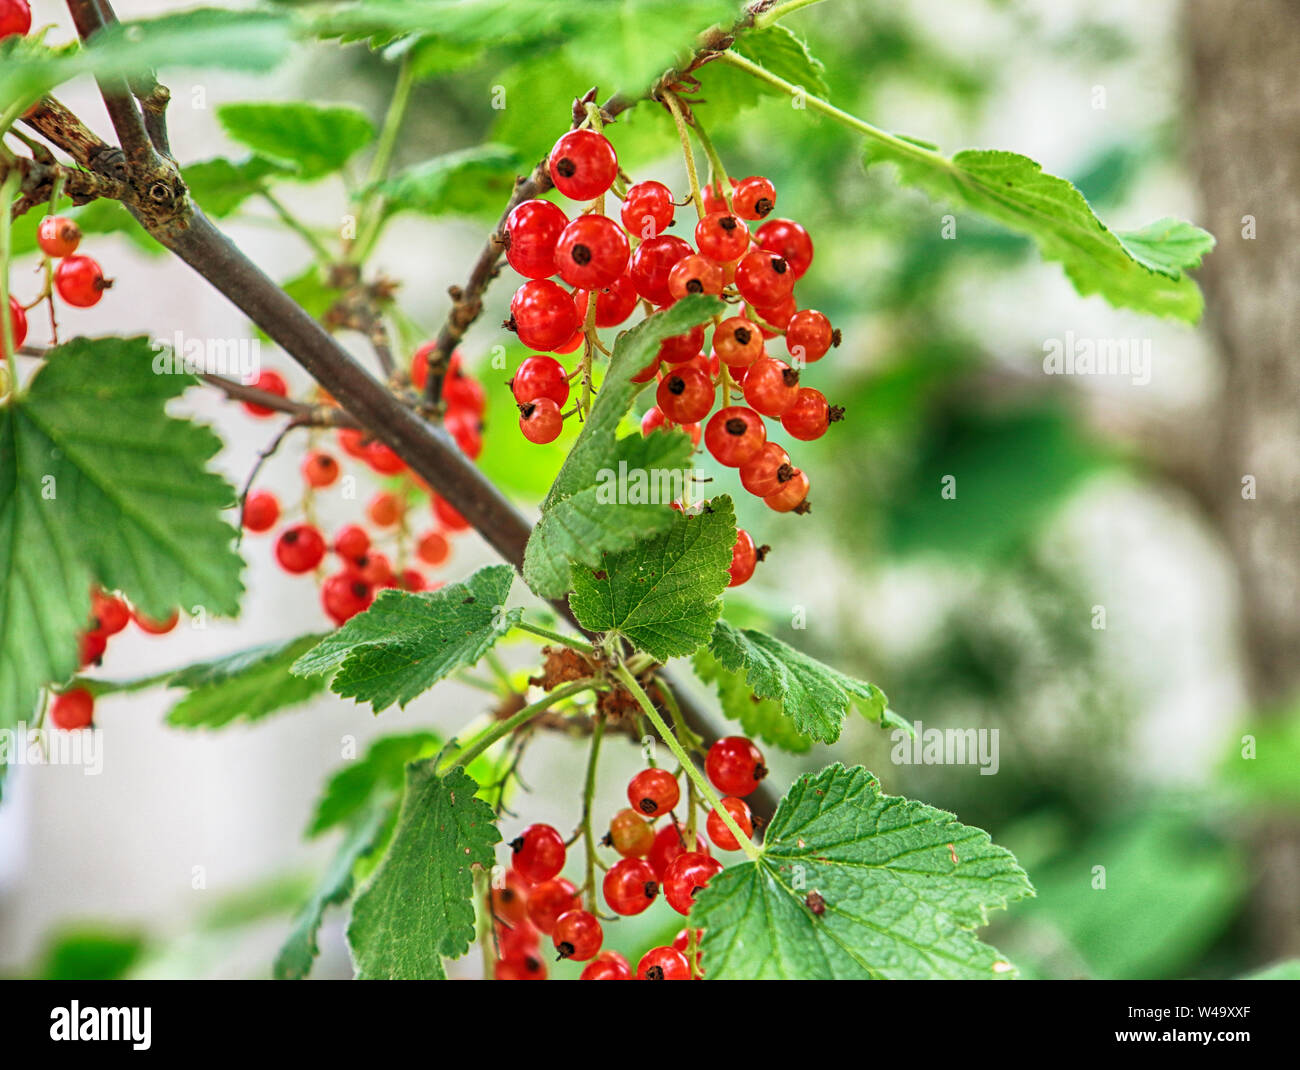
{"x": 1245, "y": 131}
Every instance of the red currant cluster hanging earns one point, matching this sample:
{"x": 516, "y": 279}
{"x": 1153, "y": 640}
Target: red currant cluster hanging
{"x": 373, "y": 558}
{"x": 533, "y": 900}
{"x": 78, "y": 280}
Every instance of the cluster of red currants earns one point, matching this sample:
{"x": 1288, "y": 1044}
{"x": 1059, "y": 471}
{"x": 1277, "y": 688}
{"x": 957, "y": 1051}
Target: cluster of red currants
{"x": 534, "y": 900}
{"x": 78, "y": 280}
{"x": 363, "y": 565}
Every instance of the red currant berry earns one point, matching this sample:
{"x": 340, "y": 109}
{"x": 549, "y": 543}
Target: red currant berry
{"x": 614, "y": 303}
{"x": 763, "y": 278}
{"x": 352, "y": 542}
{"x": 791, "y": 495}
{"x": 344, "y": 595}
{"x": 374, "y": 568}
{"x": 734, "y": 434}
{"x": 648, "y": 209}
{"x": 516, "y": 939}
{"x": 539, "y": 853}
{"x": 532, "y": 229}
{"x": 776, "y": 317}
{"x": 73, "y": 709}
{"x": 541, "y": 377}
{"x": 744, "y": 559}
{"x": 653, "y": 792}
{"x": 735, "y": 765}
{"x": 607, "y": 966}
{"x": 447, "y": 516}
{"x": 722, "y": 237}
{"x": 108, "y": 613}
{"x": 467, "y": 429}
{"x": 722, "y": 836}
{"x": 352, "y": 442}
{"x": 592, "y": 252}
{"x": 543, "y": 313}
{"x": 320, "y": 469}
{"x": 694, "y": 275}
{"x": 433, "y": 548}
{"x": 17, "y": 321}
{"x": 755, "y": 197}
{"x": 713, "y": 199}
{"x": 412, "y": 580}
{"x": 737, "y": 341}
{"x": 577, "y": 935}
{"x": 58, "y": 236}
{"x": 663, "y": 964}
{"x": 685, "y": 876}
{"x": 630, "y": 886}
{"x": 526, "y": 967}
{"x": 809, "y": 416}
{"x": 653, "y": 262}
{"x": 382, "y": 458}
{"x": 685, "y": 395}
{"x": 385, "y": 509}
{"x": 809, "y": 335}
{"x": 583, "y": 165}
{"x": 270, "y": 383}
{"x": 466, "y": 393}
{"x": 80, "y": 281}
{"x": 759, "y": 475}
{"x": 15, "y": 18}
{"x": 630, "y": 834}
{"x": 548, "y": 900}
{"x": 510, "y": 900}
{"x": 299, "y": 548}
{"x": 670, "y": 841}
{"x": 261, "y": 511}
{"x": 788, "y": 240}
{"x": 682, "y": 347}
{"x": 541, "y": 421}
{"x": 91, "y": 647}
{"x": 771, "y": 386}
{"x": 155, "y": 627}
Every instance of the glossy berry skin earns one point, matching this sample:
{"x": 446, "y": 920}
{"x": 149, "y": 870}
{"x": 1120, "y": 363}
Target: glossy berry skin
{"x": 607, "y": 966}
{"x": 630, "y": 834}
{"x": 541, "y": 377}
{"x": 385, "y": 509}
{"x": 466, "y": 428}
{"x": 548, "y": 900}
{"x": 722, "y": 237}
{"x": 109, "y": 613}
{"x": 789, "y": 240}
{"x": 592, "y": 252}
{"x": 541, "y": 421}
{"x": 351, "y": 542}
{"x": 630, "y": 886}
{"x": 713, "y": 199}
{"x": 58, "y": 236}
{"x": 735, "y": 766}
{"x": 808, "y": 416}
{"x": 544, "y": 314}
{"x": 344, "y": 595}
{"x": 694, "y": 275}
{"x": 744, "y": 559}
{"x": 72, "y": 710}
{"x": 809, "y": 335}
{"x": 653, "y": 792}
{"x": 261, "y": 511}
{"x": 771, "y": 386}
{"x": 464, "y": 392}
{"x": 272, "y": 383}
{"x": 737, "y": 342}
{"x": 790, "y": 494}
{"x": 685, "y": 394}
{"x": 682, "y": 347}
{"x": 722, "y": 836}
{"x": 763, "y": 278}
{"x": 17, "y": 321}
{"x": 382, "y": 458}
{"x": 648, "y": 209}
{"x": 538, "y": 853}
{"x": 653, "y": 262}
{"x": 299, "y": 548}
{"x": 754, "y": 198}
{"x": 532, "y": 230}
{"x": 685, "y": 876}
{"x": 15, "y": 18}
{"x": 374, "y": 568}
{"x": 526, "y": 967}
{"x": 577, "y": 935}
{"x": 155, "y": 627}
{"x": 433, "y": 548}
{"x": 320, "y": 469}
{"x": 510, "y": 900}
{"x": 91, "y": 648}
{"x": 516, "y": 939}
{"x": 447, "y": 516}
{"x": 759, "y": 475}
{"x": 663, "y": 964}
{"x": 777, "y": 316}
{"x": 670, "y": 841}
{"x": 80, "y": 281}
{"x": 734, "y": 434}
{"x": 614, "y": 303}
{"x": 583, "y": 165}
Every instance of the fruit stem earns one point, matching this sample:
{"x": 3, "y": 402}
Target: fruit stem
{"x": 296, "y": 225}
{"x": 8, "y": 192}
{"x": 373, "y": 210}
{"x": 688, "y": 154}
{"x": 588, "y": 795}
{"x": 780, "y": 11}
{"x": 556, "y": 637}
{"x": 718, "y": 177}
{"x": 503, "y": 728}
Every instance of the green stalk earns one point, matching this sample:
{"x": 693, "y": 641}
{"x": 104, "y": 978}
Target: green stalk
{"x": 588, "y": 795}
{"x": 688, "y": 154}
{"x": 503, "y": 728}
{"x": 372, "y": 212}
{"x": 556, "y": 637}
{"x": 8, "y": 193}
{"x": 780, "y": 11}
{"x": 297, "y": 226}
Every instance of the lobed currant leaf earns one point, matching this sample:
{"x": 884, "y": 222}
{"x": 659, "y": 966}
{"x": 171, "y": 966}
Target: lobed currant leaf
{"x": 855, "y": 884}
{"x": 761, "y": 718}
{"x": 471, "y": 181}
{"x": 313, "y": 139}
{"x": 219, "y": 186}
{"x": 359, "y": 782}
{"x": 725, "y": 90}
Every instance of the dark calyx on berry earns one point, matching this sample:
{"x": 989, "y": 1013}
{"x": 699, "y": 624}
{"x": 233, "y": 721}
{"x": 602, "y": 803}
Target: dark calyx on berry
{"x": 763, "y": 206}
{"x": 566, "y": 167}
{"x": 736, "y": 426}
{"x": 581, "y": 255}
{"x": 742, "y": 335}
{"x": 786, "y": 473}
{"x": 790, "y": 377}
{"x": 779, "y": 265}
{"x": 654, "y": 973}
{"x": 676, "y": 384}
{"x": 835, "y": 414}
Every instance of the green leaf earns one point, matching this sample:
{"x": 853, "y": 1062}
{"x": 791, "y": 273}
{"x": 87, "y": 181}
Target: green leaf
{"x": 99, "y": 485}
{"x": 664, "y": 594}
{"x": 763, "y": 718}
{"x": 88, "y": 953}
{"x": 896, "y": 903}
{"x": 219, "y": 186}
{"x": 578, "y": 522}
{"x": 1142, "y": 270}
{"x": 1286, "y": 970}
{"x": 418, "y": 906}
{"x": 472, "y": 181}
{"x": 245, "y": 686}
{"x": 405, "y": 643}
{"x": 300, "y": 949}
{"x": 353, "y": 787}
{"x": 1261, "y": 766}
{"x": 815, "y": 696}
{"x": 314, "y": 139}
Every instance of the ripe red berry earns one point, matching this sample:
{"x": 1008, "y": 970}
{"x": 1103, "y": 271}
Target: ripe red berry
{"x": 808, "y": 416}
{"x": 108, "y": 613}
{"x": 541, "y": 421}
{"x": 722, "y": 237}
{"x": 713, "y": 199}
{"x": 412, "y": 580}
{"x": 607, "y": 966}
{"x": 776, "y": 317}
{"x": 299, "y": 548}
{"x": 737, "y": 341}
{"x": 543, "y": 313}
{"x": 155, "y": 627}
{"x": 685, "y": 876}
{"x": 520, "y": 938}
{"x": 670, "y": 841}
{"x": 433, "y": 548}
{"x": 630, "y": 886}
{"x": 789, "y": 240}
{"x": 759, "y": 475}
{"x": 15, "y": 18}
{"x": 734, "y": 434}
{"x": 648, "y": 209}
{"x": 694, "y": 275}
{"x": 771, "y": 386}
{"x": 17, "y": 321}
{"x": 510, "y": 900}
{"x": 577, "y": 935}
{"x": 374, "y": 568}
{"x": 541, "y": 377}
{"x": 548, "y": 900}
{"x": 58, "y": 236}
{"x": 344, "y": 595}
{"x": 763, "y": 278}
{"x": 352, "y": 442}
{"x": 653, "y": 792}
{"x": 663, "y": 964}
{"x": 467, "y": 429}
{"x": 382, "y": 458}
{"x": 73, "y": 709}
{"x": 261, "y": 511}
{"x": 538, "y": 853}
{"x": 614, "y": 303}
{"x": 91, "y": 647}
{"x": 592, "y": 252}
{"x": 744, "y": 559}
{"x": 532, "y": 229}
{"x": 735, "y": 765}
{"x": 722, "y": 836}
{"x": 385, "y": 509}
{"x": 271, "y": 383}
{"x": 464, "y": 392}
{"x": 583, "y": 165}
{"x": 525, "y": 967}
{"x": 682, "y": 347}
{"x": 447, "y": 516}
{"x": 755, "y": 197}
{"x": 320, "y": 469}
{"x": 80, "y": 281}
{"x": 685, "y": 394}
{"x": 809, "y": 335}
{"x": 790, "y": 494}
{"x": 352, "y": 542}
{"x": 651, "y": 264}
{"x": 630, "y": 834}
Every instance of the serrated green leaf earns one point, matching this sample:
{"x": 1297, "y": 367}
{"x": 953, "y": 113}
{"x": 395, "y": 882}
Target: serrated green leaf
{"x": 469, "y": 182}
{"x": 219, "y": 186}
{"x": 405, "y": 643}
{"x": 1169, "y": 246}
{"x": 724, "y": 90}
{"x": 244, "y": 686}
{"x": 314, "y": 139}
{"x": 815, "y": 696}
{"x": 664, "y": 594}
{"x": 903, "y": 887}
{"x": 418, "y": 906}
{"x": 761, "y": 718}
{"x": 353, "y": 787}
